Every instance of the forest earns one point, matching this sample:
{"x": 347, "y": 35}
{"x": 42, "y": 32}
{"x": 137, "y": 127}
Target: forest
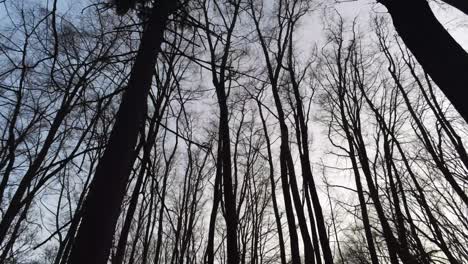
{"x": 233, "y": 131}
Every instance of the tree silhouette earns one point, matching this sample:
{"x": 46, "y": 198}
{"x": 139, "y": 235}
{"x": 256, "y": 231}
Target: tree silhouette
{"x": 434, "y": 48}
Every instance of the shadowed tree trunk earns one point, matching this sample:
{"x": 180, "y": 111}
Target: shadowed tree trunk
{"x": 225, "y": 153}
{"x": 273, "y": 186}
{"x": 103, "y": 204}
{"x": 437, "y": 52}
{"x": 160, "y": 105}
{"x": 360, "y": 192}
{"x": 221, "y": 82}
{"x": 305, "y": 163}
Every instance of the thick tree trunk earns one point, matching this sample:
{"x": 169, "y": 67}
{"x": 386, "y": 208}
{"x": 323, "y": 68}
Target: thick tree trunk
{"x": 150, "y": 140}
{"x": 103, "y": 204}
{"x": 437, "y": 52}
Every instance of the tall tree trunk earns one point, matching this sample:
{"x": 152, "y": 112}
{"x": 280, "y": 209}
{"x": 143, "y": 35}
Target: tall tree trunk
{"x": 148, "y": 144}
{"x": 229, "y": 197}
{"x": 437, "y": 52}
{"x": 305, "y": 160}
{"x": 286, "y": 157}
{"x": 219, "y": 71}
{"x": 273, "y": 187}
{"x": 103, "y": 203}
{"x": 362, "y": 200}
{"x": 293, "y": 240}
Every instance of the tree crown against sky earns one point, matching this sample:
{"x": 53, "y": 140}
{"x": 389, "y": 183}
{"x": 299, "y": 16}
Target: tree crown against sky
{"x": 236, "y": 131}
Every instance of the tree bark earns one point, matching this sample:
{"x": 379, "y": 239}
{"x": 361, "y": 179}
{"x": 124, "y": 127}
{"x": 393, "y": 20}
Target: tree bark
{"x": 103, "y": 204}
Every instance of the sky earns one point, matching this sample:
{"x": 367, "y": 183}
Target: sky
{"x": 312, "y": 27}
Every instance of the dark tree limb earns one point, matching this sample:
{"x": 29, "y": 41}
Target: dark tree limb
{"x": 102, "y": 206}
{"x": 435, "y": 49}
